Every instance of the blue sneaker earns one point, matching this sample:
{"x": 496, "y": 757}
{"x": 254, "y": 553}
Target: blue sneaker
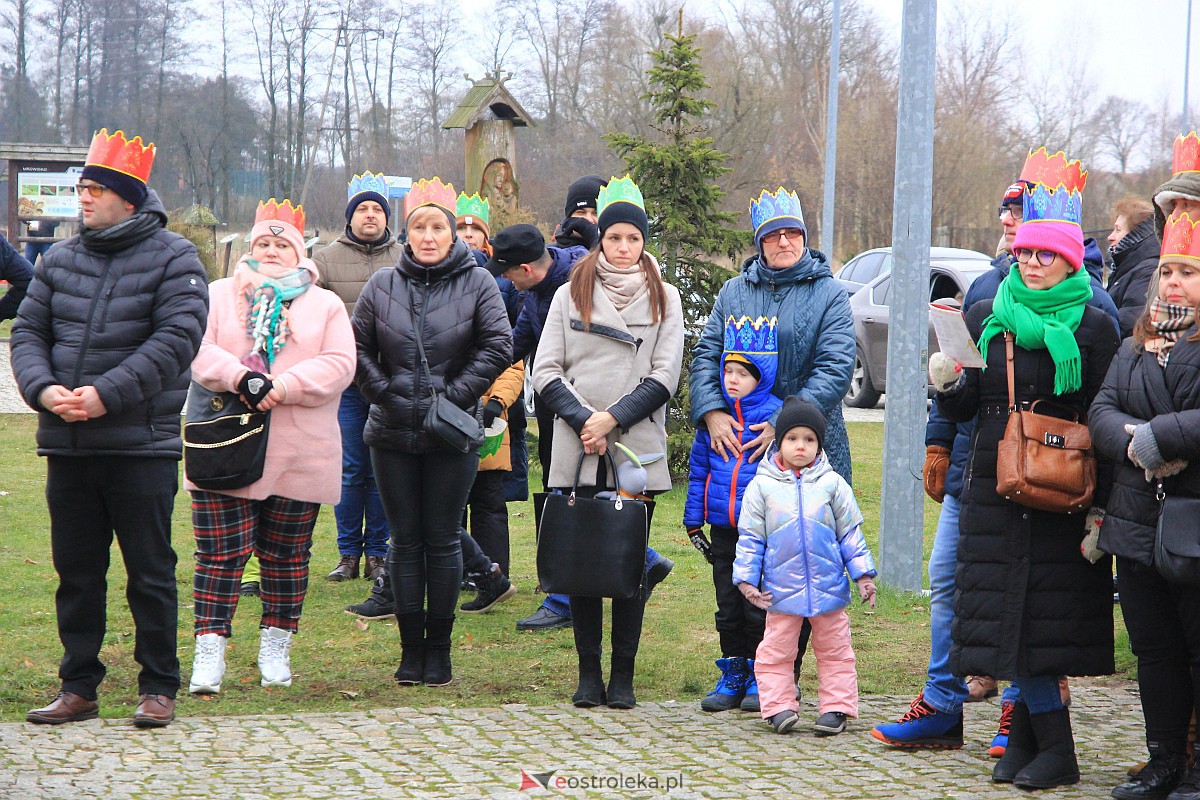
{"x": 750, "y": 700}
{"x": 923, "y": 726}
{"x": 730, "y": 688}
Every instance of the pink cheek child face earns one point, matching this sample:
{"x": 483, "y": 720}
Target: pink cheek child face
{"x": 798, "y": 448}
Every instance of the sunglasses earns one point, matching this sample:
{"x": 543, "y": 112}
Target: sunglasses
{"x": 1044, "y": 257}
{"x": 775, "y": 236}
{"x": 94, "y": 189}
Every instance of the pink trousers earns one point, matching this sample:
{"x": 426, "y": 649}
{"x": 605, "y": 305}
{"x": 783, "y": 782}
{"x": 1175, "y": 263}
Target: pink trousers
{"x": 837, "y": 679}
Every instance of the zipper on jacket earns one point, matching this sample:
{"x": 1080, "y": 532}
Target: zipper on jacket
{"x": 737, "y": 465}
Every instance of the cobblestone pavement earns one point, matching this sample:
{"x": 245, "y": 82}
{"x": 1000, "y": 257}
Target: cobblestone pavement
{"x": 438, "y": 752}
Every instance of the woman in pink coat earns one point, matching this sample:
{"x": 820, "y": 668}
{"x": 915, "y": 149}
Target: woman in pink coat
{"x": 284, "y": 344}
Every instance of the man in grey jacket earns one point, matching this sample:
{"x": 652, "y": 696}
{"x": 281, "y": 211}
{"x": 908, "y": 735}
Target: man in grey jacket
{"x": 102, "y": 350}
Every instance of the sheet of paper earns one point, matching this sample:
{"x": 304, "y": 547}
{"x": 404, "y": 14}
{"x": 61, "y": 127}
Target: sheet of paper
{"x": 953, "y": 338}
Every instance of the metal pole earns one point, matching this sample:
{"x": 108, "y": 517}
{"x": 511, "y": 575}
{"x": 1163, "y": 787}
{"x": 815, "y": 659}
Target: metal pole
{"x": 835, "y": 68}
{"x": 1187, "y": 60}
{"x": 901, "y": 523}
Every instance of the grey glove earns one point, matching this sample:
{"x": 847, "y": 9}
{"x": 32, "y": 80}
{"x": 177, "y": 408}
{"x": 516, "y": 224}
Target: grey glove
{"x": 1143, "y": 447}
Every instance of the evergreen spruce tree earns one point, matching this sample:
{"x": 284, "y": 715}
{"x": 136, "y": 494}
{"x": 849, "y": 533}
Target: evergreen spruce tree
{"x": 677, "y": 173}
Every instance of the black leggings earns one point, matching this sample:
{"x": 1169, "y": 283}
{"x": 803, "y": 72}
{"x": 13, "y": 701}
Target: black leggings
{"x": 1164, "y": 632}
{"x": 423, "y": 496}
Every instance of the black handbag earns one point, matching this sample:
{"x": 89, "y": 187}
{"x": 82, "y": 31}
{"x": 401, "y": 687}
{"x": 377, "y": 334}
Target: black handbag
{"x": 1177, "y": 538}
{"x": 224, "y": 440}
{"x": 459, "y": 429}
{"x": 592, "y": 547}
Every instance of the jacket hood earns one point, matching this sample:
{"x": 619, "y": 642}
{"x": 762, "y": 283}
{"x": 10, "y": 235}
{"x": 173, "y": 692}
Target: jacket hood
{"x": 811, "y": 265}
{"x": 459, "y": 259}
{"x": 153, "y": 205}
{"x": 755, "y": 340}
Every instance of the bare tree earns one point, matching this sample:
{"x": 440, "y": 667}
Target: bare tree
{"x": 1119, "y": 127}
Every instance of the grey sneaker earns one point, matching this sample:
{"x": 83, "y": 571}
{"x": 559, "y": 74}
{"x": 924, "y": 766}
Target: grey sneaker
{"x": 784, "y": 721}
{"x": 831, "y": 723}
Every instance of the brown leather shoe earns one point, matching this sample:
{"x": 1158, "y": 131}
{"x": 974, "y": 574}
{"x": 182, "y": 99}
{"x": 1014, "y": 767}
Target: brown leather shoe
{"x": 980, "y": 688}
{"x": 66, "y": 707}
{"x": 154, "y": 711}
{"x": 376, "y": 567}
{"x": 347, "y": 569}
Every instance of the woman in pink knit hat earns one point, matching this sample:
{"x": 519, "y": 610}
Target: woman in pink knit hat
{"x": 284, "y": 344}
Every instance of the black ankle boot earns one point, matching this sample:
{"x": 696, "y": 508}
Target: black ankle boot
{"x": 1021, "y": 748}
{"x": 412, "y": 648}
{"x": 591, "y": 683}
{"x": 1055, "y": 763}
{"x": 1162, "y": 773}
{"x": 437, "y": 670}
{"x": 620, "y": 683}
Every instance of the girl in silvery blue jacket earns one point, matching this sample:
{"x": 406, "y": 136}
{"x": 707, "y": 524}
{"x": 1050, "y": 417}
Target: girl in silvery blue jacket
{"x": 800, "y": 532}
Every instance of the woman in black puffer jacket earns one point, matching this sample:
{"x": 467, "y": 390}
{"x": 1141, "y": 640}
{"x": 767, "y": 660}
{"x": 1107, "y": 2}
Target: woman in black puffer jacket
{"x": 1134, "y": 251}
{"x": 422, "y": 481}
{"x": 1146, "y": 420}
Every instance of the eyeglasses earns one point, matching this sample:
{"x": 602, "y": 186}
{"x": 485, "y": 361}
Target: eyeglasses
{"x": 790, "y": 233}
{"x": 94, "y": 189}
{"x": 1018, "y": 213}
{"x": 1044, "y": 257}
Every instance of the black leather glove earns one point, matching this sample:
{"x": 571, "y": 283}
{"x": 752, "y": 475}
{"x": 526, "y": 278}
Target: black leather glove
{"x": 253, "y": 387}
{"x": 577, "y": 231}
{"x": 701, "y": 543}
{"x": 491, "y": 409}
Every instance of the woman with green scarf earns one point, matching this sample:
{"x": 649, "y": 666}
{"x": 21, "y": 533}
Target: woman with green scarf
{"x": 1028, "y": 606}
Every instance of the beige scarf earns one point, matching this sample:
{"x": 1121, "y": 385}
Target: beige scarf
{"x": 622, "y": 286}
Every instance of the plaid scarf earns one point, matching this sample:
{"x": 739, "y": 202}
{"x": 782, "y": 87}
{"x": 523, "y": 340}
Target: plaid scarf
{"x": 1168, "y": 321}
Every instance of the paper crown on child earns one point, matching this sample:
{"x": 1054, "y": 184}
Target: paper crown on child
{"x": 619, "y": 190}
{"x": 430, "y": 192}
{"x": 1055, "y": 190}
{"x": 753, "y": 336}
{"x": 772, "y": 211}
{"x": 285, "y": 212}
{"x": 128, "y": 157}
{"x": 368, "y": 182}
{"x": 1180, "y": 241}
{"x": 1186, "y": 153}
{"x": 472, "y": 205}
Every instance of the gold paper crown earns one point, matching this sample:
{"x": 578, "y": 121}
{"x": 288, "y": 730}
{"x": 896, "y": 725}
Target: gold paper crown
{"x": 1054, "y": 170}
{"x": 284, "y": 212}
{"x": 1186, "y": 156}
{"x": 430, "y": 192}
{"x": 114, "y": 152}
{"x": 1180, "y": 239}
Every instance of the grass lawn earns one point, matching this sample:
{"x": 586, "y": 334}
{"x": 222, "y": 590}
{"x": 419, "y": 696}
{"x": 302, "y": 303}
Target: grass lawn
{"x": 341, "y": 662}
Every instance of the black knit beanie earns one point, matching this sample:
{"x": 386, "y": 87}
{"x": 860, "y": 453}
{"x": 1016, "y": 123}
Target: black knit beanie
{"x": 622, "y": 211}
{"x": 796, "y": 413}
{"x": 128, "y": 187}
{"x": 582, "y": 193}
{"x": 377, "y": 197}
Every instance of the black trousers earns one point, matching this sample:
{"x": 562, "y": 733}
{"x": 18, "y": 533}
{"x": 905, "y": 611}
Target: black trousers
{"x": 91, "y": 498}
{"x": 423, "y": 496}
{"x": 1163, "y": 620}
{"x": 489, "y": 515}
{"x": 545, "y": 420}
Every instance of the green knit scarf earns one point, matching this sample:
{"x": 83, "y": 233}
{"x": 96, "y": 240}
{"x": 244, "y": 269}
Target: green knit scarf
{"x": 1043, "y": 319}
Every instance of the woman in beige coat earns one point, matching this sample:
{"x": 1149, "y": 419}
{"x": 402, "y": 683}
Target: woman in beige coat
{"x": 608, "y": 361}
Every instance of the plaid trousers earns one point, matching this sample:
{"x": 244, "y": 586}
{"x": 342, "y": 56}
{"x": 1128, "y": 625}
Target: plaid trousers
{"x": 228, "y": 529}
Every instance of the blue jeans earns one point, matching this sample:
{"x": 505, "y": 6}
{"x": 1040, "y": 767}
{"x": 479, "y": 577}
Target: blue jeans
{"x": 1040, "y": 693}
{"x": 33, "y": 250}
{"x": 360, "y": 495}
{"x": 561, "y": 604}
{"x": 944, "y": 691}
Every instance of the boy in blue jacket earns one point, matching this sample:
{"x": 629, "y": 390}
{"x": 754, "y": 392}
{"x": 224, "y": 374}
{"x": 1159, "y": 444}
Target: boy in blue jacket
{"x": 715, "y": 487}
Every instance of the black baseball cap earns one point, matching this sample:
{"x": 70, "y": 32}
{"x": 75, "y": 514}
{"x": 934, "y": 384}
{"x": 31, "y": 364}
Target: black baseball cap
{"x": 516, "y": 245}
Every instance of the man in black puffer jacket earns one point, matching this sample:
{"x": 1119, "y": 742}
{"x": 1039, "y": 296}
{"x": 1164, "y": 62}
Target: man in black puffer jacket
{"x": 102, "y": 350}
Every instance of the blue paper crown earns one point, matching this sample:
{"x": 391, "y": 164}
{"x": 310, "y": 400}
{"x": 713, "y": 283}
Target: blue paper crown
{"x": 1044, "y": 204}
{"x": 782, "y": 204}
{"x": 367, "y": 182}
{"x": 746, "y": 335}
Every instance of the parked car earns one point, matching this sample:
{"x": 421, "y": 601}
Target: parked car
{"x": 869, "y": 265}
{"x": 948, "y": 278}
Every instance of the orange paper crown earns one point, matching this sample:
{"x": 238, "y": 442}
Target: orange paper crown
{"x": 1180, "y": 239}
{"x": 430, "y": 192}
{"x": 284, "y": 212}
{"x": 1186, "y": 157}
{"x": 1054, "y": 170}
{"x": 129, "y": 157}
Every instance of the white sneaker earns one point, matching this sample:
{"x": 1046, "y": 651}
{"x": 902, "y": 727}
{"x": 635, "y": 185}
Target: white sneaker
{"x": 208, "y": 664}
{"x": 274, "y": 645}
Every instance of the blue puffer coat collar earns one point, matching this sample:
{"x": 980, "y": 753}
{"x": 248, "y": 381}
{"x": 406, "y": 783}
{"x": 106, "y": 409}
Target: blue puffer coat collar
{"x": 811, "y": 265}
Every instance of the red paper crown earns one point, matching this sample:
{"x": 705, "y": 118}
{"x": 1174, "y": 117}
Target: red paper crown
{"x": 1187, "y": 154}
{"x": 129, "y": 157}
{"x": 1054, "y": 170}
{"x": 284, "y": 212}
{"x": 1180, "y": 239}
{"x": 430, "y": 192}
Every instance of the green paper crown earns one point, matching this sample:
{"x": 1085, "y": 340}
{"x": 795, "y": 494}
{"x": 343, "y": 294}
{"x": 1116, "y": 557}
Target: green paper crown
{"x": 622, "y": 190}
{"x": 473, "y": 206}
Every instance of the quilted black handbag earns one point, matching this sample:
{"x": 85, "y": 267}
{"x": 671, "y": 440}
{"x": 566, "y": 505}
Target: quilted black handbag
{"x": 1177, "y": 538}
{"x": 224, "y": 440}
{"x": 592, "y": 547}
